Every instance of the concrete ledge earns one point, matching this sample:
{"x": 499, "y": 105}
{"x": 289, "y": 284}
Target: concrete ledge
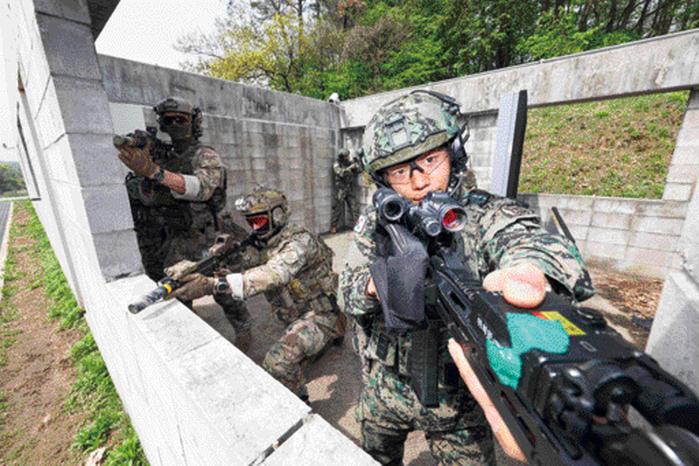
{"x": 316, "y": 443}
{"x": 192, "y": 396}
{"x": 672, "y": 339}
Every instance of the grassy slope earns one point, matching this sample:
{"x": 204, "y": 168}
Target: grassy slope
{"x": 93, "y": 391}
{"x": 618, "y": 147}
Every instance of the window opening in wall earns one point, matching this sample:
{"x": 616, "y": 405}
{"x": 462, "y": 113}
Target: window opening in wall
{"x": 619, "y": 148}
{"x": 17, "y": 178}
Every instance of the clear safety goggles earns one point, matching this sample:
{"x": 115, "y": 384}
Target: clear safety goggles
{"x": 427, "y": 163}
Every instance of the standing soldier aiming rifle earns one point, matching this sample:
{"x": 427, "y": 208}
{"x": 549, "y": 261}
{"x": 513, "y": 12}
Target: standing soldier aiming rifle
{"x": 294, "y": 272}
{"x": 344, "y": 207}
{"x": 413, "y": 145}
{"x": 176, "y": 189}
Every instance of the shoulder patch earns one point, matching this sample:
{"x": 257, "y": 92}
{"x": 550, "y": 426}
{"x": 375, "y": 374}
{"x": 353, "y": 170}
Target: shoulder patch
{"x": 360, "y": 226}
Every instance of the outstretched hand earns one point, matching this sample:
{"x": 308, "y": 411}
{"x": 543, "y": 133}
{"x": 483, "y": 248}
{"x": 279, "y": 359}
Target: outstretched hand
{"x": 523, "y": 286}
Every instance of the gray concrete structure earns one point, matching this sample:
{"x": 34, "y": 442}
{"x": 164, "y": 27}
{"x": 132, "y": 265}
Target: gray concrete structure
{"x": 278, "y": 139}
{"x": 192, "y": 397}
{"x": 638, "y": 236}
{"x": 673, "y": 338}
{"x": 195, "y": 399}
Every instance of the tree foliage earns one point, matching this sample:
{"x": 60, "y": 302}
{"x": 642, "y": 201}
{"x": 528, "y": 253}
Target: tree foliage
{"x": 358, "y": 47}
{"x": 10, "y": 178}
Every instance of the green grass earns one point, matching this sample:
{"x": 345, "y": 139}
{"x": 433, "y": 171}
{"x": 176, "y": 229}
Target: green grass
{"x": 93, "y": 391}
{"x": 8, "y": 312}
{"x": 618, "y": 147}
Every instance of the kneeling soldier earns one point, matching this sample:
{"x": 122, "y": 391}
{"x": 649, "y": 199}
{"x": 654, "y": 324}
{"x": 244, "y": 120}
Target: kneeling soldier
{"x": 295, "y": 274}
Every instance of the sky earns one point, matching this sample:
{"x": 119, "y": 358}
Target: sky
{"x": 146, "y": 30}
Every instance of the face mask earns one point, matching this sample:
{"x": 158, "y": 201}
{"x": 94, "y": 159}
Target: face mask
{"x": 178, "y": 127}
{"x": 258, "y": 223}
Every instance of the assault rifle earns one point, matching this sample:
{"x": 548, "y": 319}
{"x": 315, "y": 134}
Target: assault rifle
{"x": 137, "y": 138}
{"x": 560, "y": 377}
{"x": 224, "y": 248}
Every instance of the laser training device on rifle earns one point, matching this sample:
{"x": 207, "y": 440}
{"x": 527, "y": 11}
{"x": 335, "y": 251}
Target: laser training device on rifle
{"x": 560, "y": 377}
{"x": 224, "y": 247}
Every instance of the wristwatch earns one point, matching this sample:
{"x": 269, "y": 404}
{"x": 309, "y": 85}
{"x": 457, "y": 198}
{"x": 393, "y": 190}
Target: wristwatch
{"x": 221, "y": 286}
{"x": 159, "y": 175}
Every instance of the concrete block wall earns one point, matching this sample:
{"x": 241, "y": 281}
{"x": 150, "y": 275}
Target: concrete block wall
{"x": 638, "y": 236}
{"x": 282, "y": 140}
{"x": 192, "y": 397}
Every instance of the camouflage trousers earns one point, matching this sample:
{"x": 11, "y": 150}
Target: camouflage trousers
{"x": 303, "y": 339}
{"x": 345, "y": 209}
{"x": 237, "y": 314}
{"x": 160, "y": 249}
{"x": 360, "y": 341}
{"x": 456, "y": 431}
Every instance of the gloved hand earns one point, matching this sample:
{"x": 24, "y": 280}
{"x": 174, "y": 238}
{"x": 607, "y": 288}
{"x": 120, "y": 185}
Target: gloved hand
{"x": 139, "y": 161}
{"x": 194, "y": 286}
{"x": 180, "y": 269}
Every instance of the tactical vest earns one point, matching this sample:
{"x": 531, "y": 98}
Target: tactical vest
{"x": 308, "y": 287}
{"x": 151, "y": 200}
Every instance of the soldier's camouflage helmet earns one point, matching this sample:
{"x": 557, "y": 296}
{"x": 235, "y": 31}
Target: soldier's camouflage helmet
{"x": 406, "y": 127}
{"x": 175, "y": 104}
{"x": 266, "y": 211}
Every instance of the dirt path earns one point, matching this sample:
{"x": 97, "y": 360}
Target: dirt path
{"x": 635, "y": 297}
{"x": 34, "y": 427}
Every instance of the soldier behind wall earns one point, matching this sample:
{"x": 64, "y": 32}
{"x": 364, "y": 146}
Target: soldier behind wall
{"x": 345, "y": 199}
{"x": 176, "y": 190}
{"x": 292, "y": 268}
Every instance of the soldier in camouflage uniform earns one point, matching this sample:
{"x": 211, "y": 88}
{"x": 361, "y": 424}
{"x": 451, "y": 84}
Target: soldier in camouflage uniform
{"x": 345, "y": 171}
{"x": 413, "y": 145}
{"x": 294, "y": 272}
{"x": 176, "y": 190}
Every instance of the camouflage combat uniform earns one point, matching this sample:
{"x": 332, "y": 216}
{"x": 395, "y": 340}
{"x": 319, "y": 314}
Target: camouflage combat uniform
{"x": 295, "y": 275}
{"x": 297, "y": 279}
{"x": 499, "y": 233}
{"x": 170, "y": 226}
{"x": 344, "y": 206}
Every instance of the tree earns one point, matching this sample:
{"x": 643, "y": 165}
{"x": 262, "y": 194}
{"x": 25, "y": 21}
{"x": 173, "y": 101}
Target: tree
{"x": 357, "y": 47}
{"x": 10, "y": 179}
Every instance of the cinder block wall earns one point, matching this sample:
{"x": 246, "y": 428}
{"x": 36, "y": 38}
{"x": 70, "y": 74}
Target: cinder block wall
{"x": 282, "y": 140}
{"x": 638, "y": 236}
